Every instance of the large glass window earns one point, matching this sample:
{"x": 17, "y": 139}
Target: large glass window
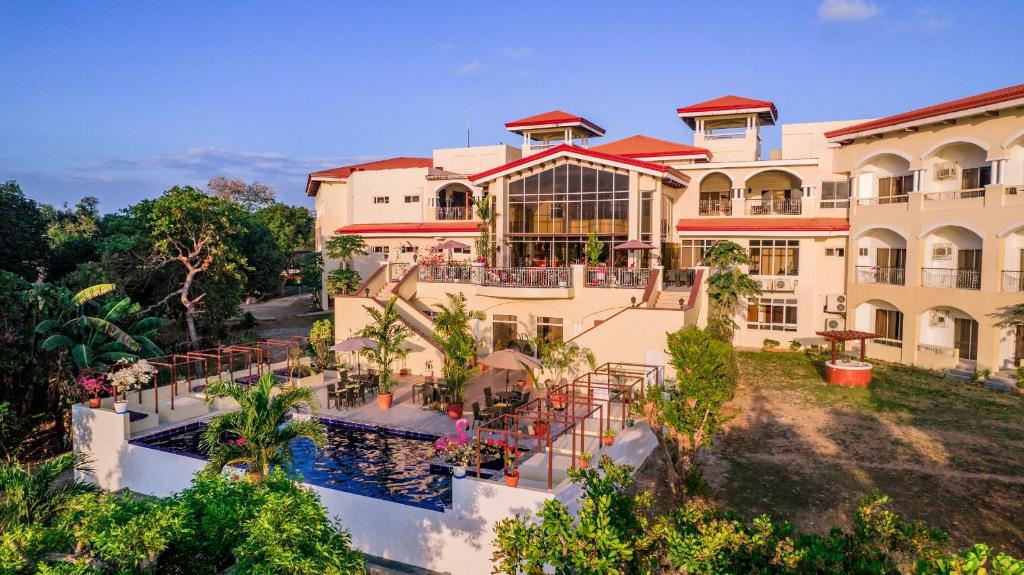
{"x": 889, "y": 324}
{"x": 835, "y": 194}
{"x": 774, "y": 314}
{"x": 775, "y": 257}
{"x": 691, "y": 252}
{"x": 549, "y": 329}
{"x": 504, "y": 331}
{"x": 895, "y": 189}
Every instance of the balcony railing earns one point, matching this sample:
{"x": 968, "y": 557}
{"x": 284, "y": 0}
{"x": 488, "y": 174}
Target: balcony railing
{"x": 880, "y": 275}
{"x": 951, "y": 278}
{"x": 1013, "y": 281}
{"x": 447, "y": 274}
{"x": 525, "y": 277}
{"x": 725, "y": 134}
{"x": 883, "y": 200}
{"x": 955, "y": 195}
{"x": 888, "y": 342}
{"x": 618, "y": 277}
{"x": 715, "y": 207}
{"x": 759, "y": 207}
{"x": 938, "y": 349}
{"x": 451, "y": 213}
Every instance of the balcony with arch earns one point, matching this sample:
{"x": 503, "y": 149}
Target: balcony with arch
{"x": 952, "y": 258}
{"x": 947, "y": 337}
{"x": 715, "y": 195}
{"x": 885, "y": 179}
{"x": 1012, "y": 272}
{"x": 452, "y": 201}
{"x": 774, "y": 193}
{"x": 881, "y": 257}
{"x": 957, "y": 171}
{"x": 885, "y": 319}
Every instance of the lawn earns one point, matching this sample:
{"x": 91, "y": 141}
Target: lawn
{"x": 946, "y": 452}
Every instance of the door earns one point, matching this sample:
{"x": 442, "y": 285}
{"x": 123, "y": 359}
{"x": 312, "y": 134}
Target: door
{"x": 968, "y": 273}
{"x": 504, "y": 331}
{"x": 965, "y": 338}
{"x": 1018, "y": 348}
{"x": 891, "y": 263}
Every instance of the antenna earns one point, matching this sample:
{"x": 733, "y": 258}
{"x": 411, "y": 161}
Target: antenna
{"x": 467, "y": 126}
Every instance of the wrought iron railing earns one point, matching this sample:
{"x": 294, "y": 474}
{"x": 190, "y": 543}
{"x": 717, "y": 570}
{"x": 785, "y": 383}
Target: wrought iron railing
{"x": 635, "y": 278}
{"x": 1013, "y": 281}
{"x": 759, "y": 207}
{"x": 526, "y": 277}
{"x": 447, "y": 274}
{"x": 955, "y": 195}
{"x": 881, "y": 275}
{"x": 451, "y": 213}
{"x": 951, "y": 278}
{"x": 397, "y": 270}
{"x": 715, "y": 207}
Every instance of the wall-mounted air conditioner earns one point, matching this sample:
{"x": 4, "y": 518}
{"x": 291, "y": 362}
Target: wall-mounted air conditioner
{"x": 938, "y": 319}
{"x": 1015, "y": 191}
{"x": 942, "y": 252}
{"x": 835, "y": 323}
{"x": 945, "y": 171}
{"x": 835, "y": 303}
{"x": 783, "y": 284}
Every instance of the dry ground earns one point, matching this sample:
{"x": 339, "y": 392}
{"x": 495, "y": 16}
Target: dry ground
{"x": 947, "y": 453}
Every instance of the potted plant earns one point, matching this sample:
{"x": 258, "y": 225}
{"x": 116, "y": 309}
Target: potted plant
{"x": 608, "y": 437}
{"x": 630, "y": 422}
{"x": 388, "y": 331}
{"x": 541, "y": 427}
{"x": 584, "y": 459}
{"x": 94, "y": 385}
{"x": 511, "y": 458}
{"x": 769, "y": 344}
{"x": 128, "y": 376}
{"x": 459, "y": 455}
{"x": 454, "y": 337}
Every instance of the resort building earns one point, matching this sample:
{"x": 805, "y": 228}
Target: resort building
{"x": 853, "y": 224}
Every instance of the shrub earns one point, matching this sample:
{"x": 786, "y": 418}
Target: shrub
{"x": 795, "y": 345}
{"x": 769, "y": 343}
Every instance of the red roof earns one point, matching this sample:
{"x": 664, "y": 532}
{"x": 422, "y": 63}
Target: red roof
{"x": 346, "y": 171}
{"x": 763, "y": 224}
{"x": 726, "y": 103}
{"x": 644, "y": 147}
{"x": 409, "y": 228}
{"x": 561, "y": 148}
{"x": 555, "y": 117}
{"x": 986, "y": 99}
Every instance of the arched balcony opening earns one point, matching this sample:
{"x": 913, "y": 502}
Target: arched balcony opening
{"x": 453, "y": 202}
{"x": 952, "y": 258}
{"x": 1013, "y": 166}
{"x": 881, "y": 257}
{"x": 958, "y": 170}
{"x": 1012, "y": 279}
{"x": 884, "y": 179}
{"x": 774, "y": 192}
{"x": 883, "y": 318}
{"x": 948, "y": 332}
{"x": 715, "y": 195}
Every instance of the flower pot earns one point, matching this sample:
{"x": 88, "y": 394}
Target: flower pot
{"x": 630, "y": 422}
{"x": 608, "y": 441}
{"x": 120, "y": 407}
{"x": 404, "y": 371}
{"x": 458, "y": 471}
{"x": 540, "y": 428}
{"x": 512, "y": 480}
{"x": 558, "y": 402}
{"x": 454, "y": 411}
{"x": 520, "y": 384}
{"x": 384, "y": 400}
{"x": 95, "y": 402}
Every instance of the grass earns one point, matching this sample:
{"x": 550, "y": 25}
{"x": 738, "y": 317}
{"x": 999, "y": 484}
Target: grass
{"x": 948, "y": 453}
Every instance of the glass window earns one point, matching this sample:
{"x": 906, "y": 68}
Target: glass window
{"x": 381, "y": 200}
{"x": 503, "y": 331}
{"x": 775, "y": 257}
{"x": 691, "y": 252}
{"x": 889, "y": 323}
{"x": 774, "y": 314}
{"x": 646, "y": 216}
{"x": 412, "y": 199}
{"x": 835, "y": 194}
{"x": 974, "y": 178}
{"x": 549, "y": 329}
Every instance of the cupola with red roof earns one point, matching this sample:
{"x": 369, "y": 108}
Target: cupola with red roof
{"x": 729, "y": 105}
{"x": 653, "y": 149}
{"x": 547, "y": 130}
{"x": 729, "y": 126}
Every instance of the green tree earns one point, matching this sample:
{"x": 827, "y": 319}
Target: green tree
{"x": 726, "y": 286}
{"x": 454, "y": 335}
{"x": 592, "y": 250}
{"x": 250, "y": 197}
{"x": 24, "y": 249}
{"x": 37, "y": 494}
{"x": 387, "y": 329}
{"x": 321, "y": 338}
{"x": 558, "y": 357}
{"x": 343, "y": 281}
{"x": 311, "y": 268}
{"x": 344, "y": 247}
{"x": 265, "y": 259}
{"x": 292, "y": 226}
{"x": 487, "y": 215}
{"x": 74, "y": 236}
{"x": 264, "y": 433}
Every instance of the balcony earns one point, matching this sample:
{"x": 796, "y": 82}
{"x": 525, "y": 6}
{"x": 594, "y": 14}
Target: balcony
{"x": 517, "y": 277}
{"x": 630, "y": 278}
{"x": 954, "y": 195}
{"x": 1013, "y": 281}
{"x": 451, "y": 213}
{"x": 881, "y": 275}
{"x": 883, "y": 200}
{"x": 786, "y": 207}
{"x": 951, "y": 278}
{"x": 715, "y": 207}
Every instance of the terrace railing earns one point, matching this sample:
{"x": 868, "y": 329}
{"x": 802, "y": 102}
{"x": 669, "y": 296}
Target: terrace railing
{"x": 714, "y": 208}
{"x": 760, "y": 207}
{"x": 951, "y": 278}
{"x": 524, "y": 277}
{"x": 955, "y": 195}
{"x": 447, "y": 273}
{"x": 451, "y": 213}
{"x": 883, "y": 200}
{"x": 881, "y": 275}
{"x": 1013, "y": 281}
{"x": 631, "y": 278}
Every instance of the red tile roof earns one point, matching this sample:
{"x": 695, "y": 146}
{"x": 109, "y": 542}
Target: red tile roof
{"x": 590, "y": 153}
{"x": 977, "y": 101}
{"x": 763, "y": 224}
{"x": 409, "y": 228}
{"x": 645, "y": 147}
{"x": 556, "y": 117}
{"x": 726, "y": 103}
{"x": 399, "y": 163}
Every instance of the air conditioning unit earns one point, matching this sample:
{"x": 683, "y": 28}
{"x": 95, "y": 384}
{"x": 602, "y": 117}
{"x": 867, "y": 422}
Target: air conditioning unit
{"x": 783, "y": 284}
{"x": 1015, "y": 191}
{"x": 945, "y": 171}
{"x": 938, "y": 319}
{"x": 942, "y": 252}
{"x": 833, "y": 323}
{"x": 835, "y": 303}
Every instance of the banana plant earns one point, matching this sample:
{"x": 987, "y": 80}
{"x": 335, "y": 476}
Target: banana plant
{"x": 93, "y": 330}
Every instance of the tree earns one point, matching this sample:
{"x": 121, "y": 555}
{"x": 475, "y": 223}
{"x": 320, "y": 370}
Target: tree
{"x": 592, "y": 250}
{"x": 726, "y": 286}
{"x": 24, "y": 249}
{"x": 259, "y": 434}
{"x": 36, "y": 494}
{"x": 321, "y": 338}
{"x": 292, "y": 226}
{"x": 342, "y": 281}
{"x": 265, "y": 260}
{"x": 385, "y": 328}
{"x": 311, "y": 268}
{"x": 487, "y": 214}
{"x": 454, "y": 335}
{"x": 249, "y": 196}
{"x": 343, "y": 247}
{"x": 74, "y": 236}
{"x": 559, "y": 357}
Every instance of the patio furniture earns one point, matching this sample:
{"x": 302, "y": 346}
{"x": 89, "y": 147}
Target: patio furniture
{"x": 476, "y": 414}
{"x": 488, "y": 397}
{"x": 420, "y": 388}
{"x": 525, "y": 398}
{"x": 508, "y": 396}
{"x": 332, "y": 393}
{"x": 510, "y": 360}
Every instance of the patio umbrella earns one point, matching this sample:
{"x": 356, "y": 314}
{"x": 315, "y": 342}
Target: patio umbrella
{"x": 633, "y": 245}
{"x": 449, "y": 245}
{"x": 355, "y": 344}
{"x": 510, "y": 359}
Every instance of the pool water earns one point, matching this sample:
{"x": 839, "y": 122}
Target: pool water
{"x": 387, "y": 464}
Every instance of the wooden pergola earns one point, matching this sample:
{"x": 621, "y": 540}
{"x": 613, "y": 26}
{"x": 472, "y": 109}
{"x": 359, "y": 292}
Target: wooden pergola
{"x": 837, "y": 335}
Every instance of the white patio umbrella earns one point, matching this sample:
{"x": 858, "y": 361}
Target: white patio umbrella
{"x": 355, "y": 344}
{"x": 634, "y": 245}
{"x": 449, "y": 245}
{"x": 509, "y": 360}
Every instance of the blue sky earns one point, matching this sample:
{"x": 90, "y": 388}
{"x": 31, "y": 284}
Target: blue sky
{"x": 123, "y": 100}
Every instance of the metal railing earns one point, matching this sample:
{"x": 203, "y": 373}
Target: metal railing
{"x": 881, "y": 275}
{"x": 759, "y": 207}
{"x": 955, "y": 195}
{"x": 634, "y": 278}
{"x": 1013, "y": 281}
{"x": 397, "y": 270}
{"x": 728, "y": 134}
{"x": 938, "y": 349}
{"x": 715, "y": 207}
{"x": 679, "y": 278}
{"x": 451, "y": 213}
{"x": 951, "y": 278}
{"x": 883, "y": 200}
{"x": 447, "y": 274}
{"x": 888, "y": 342}
{"x": 527, "y": 277}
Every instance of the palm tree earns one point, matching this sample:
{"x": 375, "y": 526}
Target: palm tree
{"x": 486, "y": 214}
{"x": 96, "y": 341}
{"x": 34, "y": 496}
{"x": 1010, "y": 316}
{"x": 385, "y": 328}
{"x": 454, "y": 336}
{"x": 726, "y": 286}
{"x": 264, "y": 433}
{"x": 558, "y": 357}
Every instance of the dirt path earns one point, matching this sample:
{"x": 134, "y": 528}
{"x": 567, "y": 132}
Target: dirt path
{"x": 285, "y": 316}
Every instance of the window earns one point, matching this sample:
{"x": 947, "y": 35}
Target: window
{"x": 549, "y": 329}
{"x": 774, "y": 314}
{"x": 839, "y": 252}
{"x": 380, "y": 250}
{"x": 503, "y": 329}
{"x": 975, "y": 178}
{"x": 775, "y": 257}
{"x": 889, "y": 324}
{"x": 381, "y": 200}
{"x": 691, "y": 252}
{"x": 646, "y": 215}
{"x": 432, "y": 202}
{"x": 460, "y": 250}
{"x": 894, "y": 190}
{"x": 862, "y": 251}
{"x": 835, "y": 194}
{"x": 411, "y": 199}
{"x": 407, "y": 249}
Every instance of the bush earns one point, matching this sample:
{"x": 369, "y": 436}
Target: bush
{"x": 769, "y": 343}
{"x": 795, "y": 345}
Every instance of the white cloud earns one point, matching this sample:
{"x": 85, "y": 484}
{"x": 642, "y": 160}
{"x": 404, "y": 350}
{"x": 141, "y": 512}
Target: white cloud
{"x": 846, "y": 10}
{"x": 520, "y": 53}
{"x": 471, "y": 68}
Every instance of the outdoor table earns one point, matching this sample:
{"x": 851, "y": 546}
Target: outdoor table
{"x": 508, "y": 396}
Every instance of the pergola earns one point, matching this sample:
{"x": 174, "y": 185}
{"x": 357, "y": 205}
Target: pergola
{"x": 843, "y": 335}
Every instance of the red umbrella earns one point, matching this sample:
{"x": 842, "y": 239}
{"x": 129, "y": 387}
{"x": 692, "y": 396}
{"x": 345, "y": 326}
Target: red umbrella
{"x": 451, "y": 245}
{"x": 633, "y": 245}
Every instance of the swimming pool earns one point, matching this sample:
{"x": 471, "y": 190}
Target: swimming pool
{"x": 388, "y": 464}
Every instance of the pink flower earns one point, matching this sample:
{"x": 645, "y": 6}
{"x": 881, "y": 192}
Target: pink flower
{"x": 239, "y": 441}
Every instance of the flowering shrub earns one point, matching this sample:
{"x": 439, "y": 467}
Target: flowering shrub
{"x": 94, "y": 384}
{"x": 459, "y": 453}
{"x": 431, "y": 259}
{"x": 131, "y": 376}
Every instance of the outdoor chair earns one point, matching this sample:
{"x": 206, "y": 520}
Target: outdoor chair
{"x": 476, "y": 414}
{"x": 332, "y": 394}
{"x": 420, "y": 388}
{"x": 525, "y": 399}
{"x": 488, "y": 398}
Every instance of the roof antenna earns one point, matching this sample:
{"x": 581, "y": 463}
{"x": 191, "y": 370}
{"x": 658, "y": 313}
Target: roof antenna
{"x": 467, "y": 126}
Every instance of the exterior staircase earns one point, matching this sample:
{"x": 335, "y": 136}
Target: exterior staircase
{"x": 670, "y": 299}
